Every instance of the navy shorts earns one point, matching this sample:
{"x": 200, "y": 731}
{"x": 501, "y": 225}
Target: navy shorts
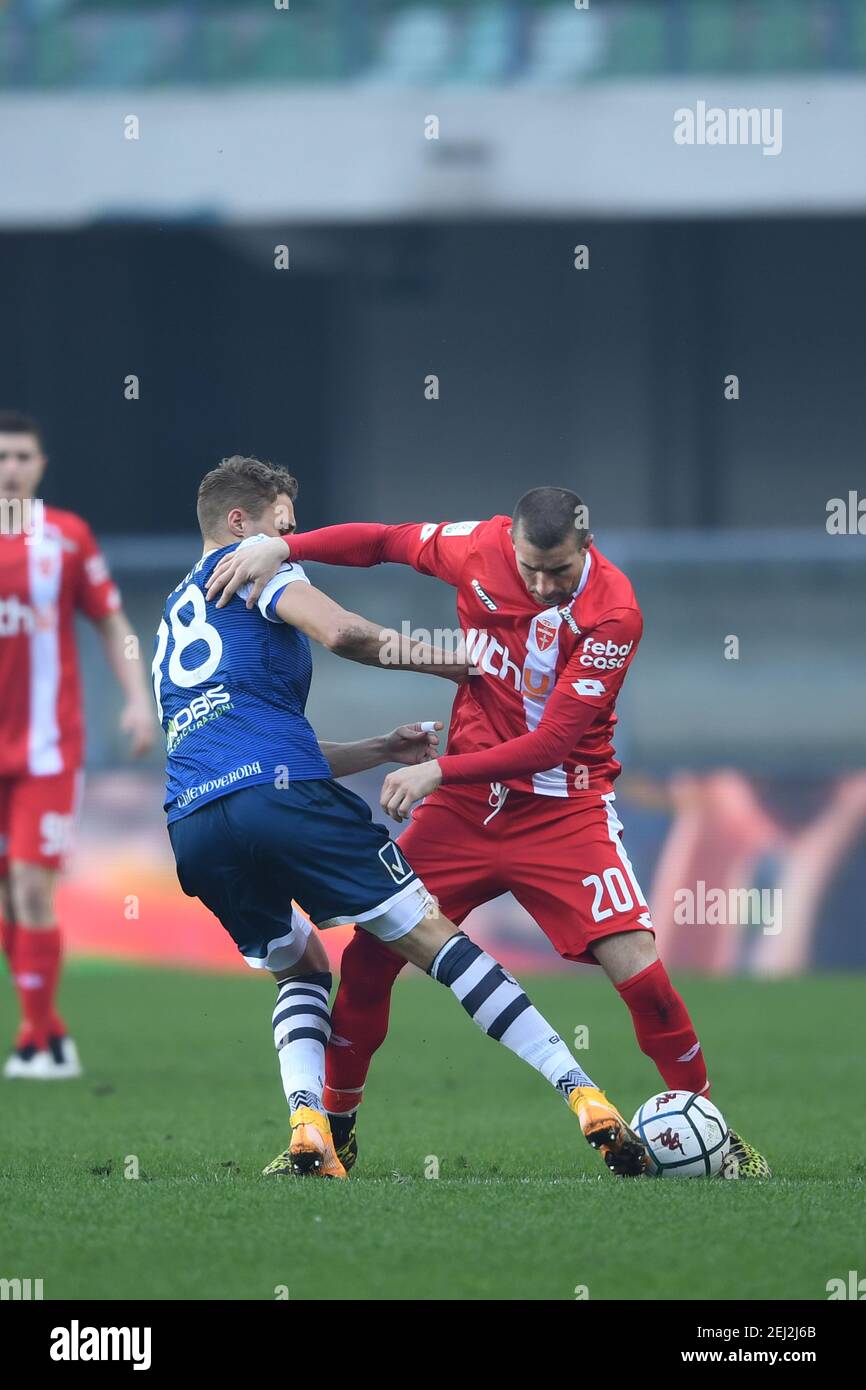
{"x": 249, "y": 854}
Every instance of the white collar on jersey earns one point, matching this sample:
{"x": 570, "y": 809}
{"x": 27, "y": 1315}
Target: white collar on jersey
{"x": 584, "y": 577}
{"x": 245, "y": 540}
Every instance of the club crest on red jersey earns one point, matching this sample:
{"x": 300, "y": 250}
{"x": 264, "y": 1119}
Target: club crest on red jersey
{"x": 545, "y": 634}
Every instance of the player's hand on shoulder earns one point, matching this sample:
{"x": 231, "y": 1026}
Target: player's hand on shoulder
{"x": 137, "y": 721}
{"x": 413, "y": 743}
{"x": 250, "y": 564}
{"x": 401, "y": 789}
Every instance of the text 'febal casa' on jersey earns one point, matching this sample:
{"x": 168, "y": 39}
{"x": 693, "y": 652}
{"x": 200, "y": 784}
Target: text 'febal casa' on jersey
{"x": 231, "y": 686}
{"x": 47, "y": 575}
{"x": 566, "y": 662}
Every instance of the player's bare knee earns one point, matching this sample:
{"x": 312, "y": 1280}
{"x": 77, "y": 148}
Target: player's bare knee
{"x": 31, "y": 892}
{"x": 423, "y": 943}
{"x": 314, "y": 961}
{"x": 625, "y": 954}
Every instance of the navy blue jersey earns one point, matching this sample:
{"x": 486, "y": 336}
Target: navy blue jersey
{"x": 231, "y": 685}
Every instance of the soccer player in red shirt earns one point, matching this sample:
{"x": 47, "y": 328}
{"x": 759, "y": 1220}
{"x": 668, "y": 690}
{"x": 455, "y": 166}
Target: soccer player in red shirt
{"x": 523, "y": 799}
{"x": 50, "y": 568}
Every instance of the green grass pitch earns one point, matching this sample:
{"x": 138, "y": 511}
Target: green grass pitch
{"x": 181, "y": 1076}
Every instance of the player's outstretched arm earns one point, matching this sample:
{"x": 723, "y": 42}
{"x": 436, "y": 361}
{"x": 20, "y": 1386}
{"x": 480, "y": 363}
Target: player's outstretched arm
{"x": 430, "y": 547}
{"x": 408, "y": 744}
{"x": 357, "y": 639}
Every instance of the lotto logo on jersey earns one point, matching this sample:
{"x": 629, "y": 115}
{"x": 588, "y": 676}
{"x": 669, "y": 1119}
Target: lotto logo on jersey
{"x": 604, "y": 656}
{"x": 484, "y": 596}
{"x": 203, "y": 708}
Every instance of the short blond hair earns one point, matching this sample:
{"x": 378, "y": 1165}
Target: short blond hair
{"x": 240, "y": 482}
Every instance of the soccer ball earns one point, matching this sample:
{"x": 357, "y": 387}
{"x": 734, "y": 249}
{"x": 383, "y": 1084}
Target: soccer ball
{"x": 685, "y": 1136}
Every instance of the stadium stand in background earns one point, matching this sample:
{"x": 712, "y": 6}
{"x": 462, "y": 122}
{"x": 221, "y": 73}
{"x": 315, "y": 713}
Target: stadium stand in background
{"x": 119, "y": 43}
{"x": 455, "y": 255}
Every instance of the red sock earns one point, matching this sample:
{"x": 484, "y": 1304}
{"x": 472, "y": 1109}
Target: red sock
{"x": 664, "y": 1030}
{"x": 359, "y": 1019}
{"x": 36, "y": 973}
{"x": 7, "y": 938}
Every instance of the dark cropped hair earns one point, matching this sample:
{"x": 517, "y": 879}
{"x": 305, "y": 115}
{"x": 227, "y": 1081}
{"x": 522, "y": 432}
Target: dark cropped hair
{"x": 16, "y": 422}
{"x": 546, "y": 516}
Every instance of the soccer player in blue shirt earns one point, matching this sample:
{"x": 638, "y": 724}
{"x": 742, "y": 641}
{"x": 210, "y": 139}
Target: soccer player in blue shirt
{"x": 256, "y": 818}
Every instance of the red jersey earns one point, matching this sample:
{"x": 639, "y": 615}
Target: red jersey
{"x": 552, "y": 673}
{"x": 44, "y": 580}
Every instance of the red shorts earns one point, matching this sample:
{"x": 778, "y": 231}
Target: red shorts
{"x": 563, "y": 860}
{"x": 37, "y": 818}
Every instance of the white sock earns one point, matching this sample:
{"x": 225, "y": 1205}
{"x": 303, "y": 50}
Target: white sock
{"x": 497, "y": 1003}
{"x": 302, "y": 1027}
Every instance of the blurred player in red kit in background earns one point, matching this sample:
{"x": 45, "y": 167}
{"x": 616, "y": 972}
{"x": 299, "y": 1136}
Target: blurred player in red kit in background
{"x": 50, "y": 569}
